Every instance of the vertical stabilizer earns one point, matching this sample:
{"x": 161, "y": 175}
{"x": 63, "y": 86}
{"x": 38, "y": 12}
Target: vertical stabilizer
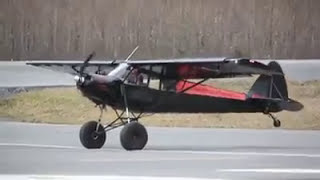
{"x": 274, "y": 86}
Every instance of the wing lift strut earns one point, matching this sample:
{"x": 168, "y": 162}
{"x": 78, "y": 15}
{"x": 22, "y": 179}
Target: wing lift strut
{"x": 194, "y": 85}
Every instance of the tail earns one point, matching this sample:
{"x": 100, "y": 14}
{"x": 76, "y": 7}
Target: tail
{"x": 274, "y": 88}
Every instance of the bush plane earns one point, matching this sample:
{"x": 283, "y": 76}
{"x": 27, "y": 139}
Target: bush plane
{"x": 133, "y": 88}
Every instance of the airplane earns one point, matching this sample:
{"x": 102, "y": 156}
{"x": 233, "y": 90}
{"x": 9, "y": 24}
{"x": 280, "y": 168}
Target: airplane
{"x": 133, "y": 88}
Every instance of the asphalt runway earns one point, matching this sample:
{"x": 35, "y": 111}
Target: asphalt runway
{"x": 42, "y": 151}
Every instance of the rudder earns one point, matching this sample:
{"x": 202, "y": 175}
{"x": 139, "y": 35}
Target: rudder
{"x": 274, "y": 86}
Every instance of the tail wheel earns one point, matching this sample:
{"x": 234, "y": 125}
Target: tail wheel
{"x": 90, "y": 137}
{"x": 133, "y": 136}
{"x": 277, "y": 123}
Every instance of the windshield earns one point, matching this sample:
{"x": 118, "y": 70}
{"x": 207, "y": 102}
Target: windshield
{"x": 119, "y": 71}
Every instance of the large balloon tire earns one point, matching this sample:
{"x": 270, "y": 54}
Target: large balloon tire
{"x": 133, "y": 136}
{"x": 90, "y": 138}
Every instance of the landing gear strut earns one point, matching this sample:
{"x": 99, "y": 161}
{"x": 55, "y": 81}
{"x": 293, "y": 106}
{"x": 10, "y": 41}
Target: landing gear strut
{"x": 276, "y": 121}
{"x": 134, "y": 135}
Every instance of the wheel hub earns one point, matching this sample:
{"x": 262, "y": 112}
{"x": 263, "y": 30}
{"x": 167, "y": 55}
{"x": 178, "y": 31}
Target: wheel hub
{"x": 95, "y": 135}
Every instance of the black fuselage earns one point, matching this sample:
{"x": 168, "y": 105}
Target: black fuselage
{"x": 107, "y": 90}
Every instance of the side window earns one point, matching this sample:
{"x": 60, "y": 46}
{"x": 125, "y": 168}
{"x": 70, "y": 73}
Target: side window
{"x": 162, "y": 84}
{"x": 137, "y": 78}
{"x": 142, "y": 78}
{"x": 169, "y": 85}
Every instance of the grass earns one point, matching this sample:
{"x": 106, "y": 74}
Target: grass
{"x": 67, "y": 106}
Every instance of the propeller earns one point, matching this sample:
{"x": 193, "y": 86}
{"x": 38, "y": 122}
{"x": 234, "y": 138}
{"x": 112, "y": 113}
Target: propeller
{"x": 117, "y": 72}
{"x": 81, "y": 77}
{"x": 85, "y": 63}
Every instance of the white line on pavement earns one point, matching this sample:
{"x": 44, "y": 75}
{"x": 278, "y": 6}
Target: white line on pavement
{"x": 54, "y": 177}
{"x": 39, "y": 145}
{"x": 230, "y": 153}
{"x": 273, "y": 170}
{"x": 234, "y": 153}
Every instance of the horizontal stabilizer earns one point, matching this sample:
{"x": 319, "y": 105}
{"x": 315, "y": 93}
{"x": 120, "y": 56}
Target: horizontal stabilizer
{"x": 292, "y": 105}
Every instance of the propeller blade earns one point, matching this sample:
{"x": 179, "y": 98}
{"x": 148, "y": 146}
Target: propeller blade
{"x": 86, "y": 62}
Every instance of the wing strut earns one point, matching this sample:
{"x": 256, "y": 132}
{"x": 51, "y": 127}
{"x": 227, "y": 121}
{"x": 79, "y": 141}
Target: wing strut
{"x": 194, "y": 85}
{"x": 131, "y": 54}
{"x": 123, "y": 92}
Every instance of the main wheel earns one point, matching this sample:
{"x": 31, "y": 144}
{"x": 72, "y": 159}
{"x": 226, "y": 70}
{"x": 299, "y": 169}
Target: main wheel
{"x": 90, "y": 138}
{"x": 133, "y": 136}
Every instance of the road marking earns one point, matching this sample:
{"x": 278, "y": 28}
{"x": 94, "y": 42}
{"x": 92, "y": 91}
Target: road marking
{"x": 147, "y": 159}
{"x": 273, "y": 170}
{"x": 54, "y": 177}
{"x": 39, "y": 146}
{"x": 231, "y": 153}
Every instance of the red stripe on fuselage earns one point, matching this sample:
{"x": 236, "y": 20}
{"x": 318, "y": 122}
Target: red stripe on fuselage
{"x": 209, "y": 91}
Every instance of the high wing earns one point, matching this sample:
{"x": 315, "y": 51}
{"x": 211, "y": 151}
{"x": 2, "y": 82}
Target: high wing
{"x": 203, "y": 68}
{"x": 170, "y": 69}
{"x": 72, "y": 67}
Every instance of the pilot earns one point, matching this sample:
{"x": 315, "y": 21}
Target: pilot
{"x": 135, "y": 77}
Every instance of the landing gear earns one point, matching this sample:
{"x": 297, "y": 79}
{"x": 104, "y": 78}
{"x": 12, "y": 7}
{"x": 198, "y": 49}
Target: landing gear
{"x": 133, "y": 136}
{"x": 92, "y": 134}
{"x": 91, "y": 137}
{"x": 276, "y": 121}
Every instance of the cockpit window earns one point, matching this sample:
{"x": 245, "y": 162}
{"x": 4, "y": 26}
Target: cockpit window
{"x": 120, "y": 71}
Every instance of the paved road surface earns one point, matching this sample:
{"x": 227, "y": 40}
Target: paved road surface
{"x": 47, "y": 150}
{"x": 17, "y": 74}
